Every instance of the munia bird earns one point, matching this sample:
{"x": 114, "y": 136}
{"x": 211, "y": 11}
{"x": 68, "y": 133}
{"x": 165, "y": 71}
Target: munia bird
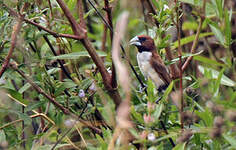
{"x": 150, "y": 63}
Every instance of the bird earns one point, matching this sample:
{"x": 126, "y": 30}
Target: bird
{"x": 150, "y": 62}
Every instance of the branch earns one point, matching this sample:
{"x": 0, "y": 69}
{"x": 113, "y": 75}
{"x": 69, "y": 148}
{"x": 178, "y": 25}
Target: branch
{"x": 107, "y": 8}
{"x": 39, "y": 90}
{"x": 77, "y": 29}
{"x": 121, "y": 46}
{"x": 55, "y": 34}
{"x": 180, "y": 64}
{"x": 15, "y": 32}
{"x": 81, "y": 14}
{"x": 195, "y": 42}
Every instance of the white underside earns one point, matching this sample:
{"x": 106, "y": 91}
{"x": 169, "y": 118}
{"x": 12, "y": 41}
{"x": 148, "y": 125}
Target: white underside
{"x": 146, "y": 69}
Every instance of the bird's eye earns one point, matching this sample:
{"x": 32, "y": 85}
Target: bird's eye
{"x": 142, "y": 39}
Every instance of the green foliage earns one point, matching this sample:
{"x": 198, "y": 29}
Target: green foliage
{"x": 208, "y": 82}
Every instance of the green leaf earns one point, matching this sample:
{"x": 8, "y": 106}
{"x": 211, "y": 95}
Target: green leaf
{"x": 231, "y": 140}
{"x": 150, "y": 90}
{"x": 189, "y": 39}
{"x": 167, "y": 92}
{"x": 190, "y": 25}
{"x": 220, "y": 6}
{"x": 76, "y": 55}
{"x": 34, "y": 105}
{"x": 158, "y": 110}
{"x": 216, "y": 30}
{"x": 49, "y": 147}
{"x": 193, "y": 2}
{"x": 21, "y": 115}
{"x": 224, "y": 80}
{"x": 208, "y": 61}
{"x": 137, "y": 116}
{"x": 227, "y": 28}
{"x": 217, "y": 85}
{"x": 24, "y": 88}
{"x": 185, "y": 56}
{"x": 206, "y": 116}
{"x": 53, "y": 70}
{"x": 180, "y": 146}
{"x": 18, "y": 96}
{"x": 2, "y": 136}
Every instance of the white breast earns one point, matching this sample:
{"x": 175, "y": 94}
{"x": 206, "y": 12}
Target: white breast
{"x": 146, "y": 69}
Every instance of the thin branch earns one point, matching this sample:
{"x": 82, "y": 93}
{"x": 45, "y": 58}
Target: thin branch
{"x": 55, "y": 54}
{"x": 104, "y": 38}
{"x": 151, "y": 9}
{"x": 77, "y": 29}
{"x": 121, "y": 46}
{"x": 87, "y": 44}
{"x": 19, "y": 120}
{"x": 81, "y": 13}
{"x": 108, "y": 9}
{"x": 15, "y": 32}
{"x": 55, "y": 34}
{"x": 39, "y": 90}
{"x": 195, "y": 42}
{"x": 180, "y": 63}
{"x": 193, "y": 48}
{"x": 50, "y": 7}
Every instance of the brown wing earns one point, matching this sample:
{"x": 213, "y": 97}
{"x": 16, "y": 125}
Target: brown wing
{"x": 161, "y": 69}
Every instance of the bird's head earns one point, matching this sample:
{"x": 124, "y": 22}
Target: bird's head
{"x": 144, "y": 43}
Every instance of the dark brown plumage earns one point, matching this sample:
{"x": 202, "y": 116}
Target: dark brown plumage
{"x": 150, "y": 63}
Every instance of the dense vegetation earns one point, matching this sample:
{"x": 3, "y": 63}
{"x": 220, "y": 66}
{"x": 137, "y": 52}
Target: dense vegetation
{"x": 70, "y": 80}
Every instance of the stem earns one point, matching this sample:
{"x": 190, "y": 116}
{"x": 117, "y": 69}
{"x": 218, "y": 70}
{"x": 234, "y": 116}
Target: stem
{"x": 195, "y": 42}
{"x": 15, "y": 32}
{"x": 180, "y": 64}
{"x": 39, "y": 90}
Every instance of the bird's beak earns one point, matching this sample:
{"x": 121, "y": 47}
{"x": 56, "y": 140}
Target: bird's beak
{"x": 135, "y": 41}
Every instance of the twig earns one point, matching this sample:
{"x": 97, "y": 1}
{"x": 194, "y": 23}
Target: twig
{"x": 55, "y": 34}
{"x": 55, "y": 54}
{"x": 15, "y": 32}
{"x": 19, "y": 120}
{"x": 81, "y": 13}
{"x": 193, "y": 48}
{"x": 61, "y": 138}
{"x": 180, "y": 64}
{"x": 50, "y": 7}
{"x": 122, "y": 48}
{"x": 39, "y": 90}
{"x": 151, "y": 8}
{"x": 77, "y": 29}
{"x": 104, "y": 38}
{"x": 166, "y": 132}
{"x": 107, "y": 8}
{"x": 113, "y": 93}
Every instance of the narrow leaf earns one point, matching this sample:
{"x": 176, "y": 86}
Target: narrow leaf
{"x": 76, "y": 55}
{"x": 224, "y": 80}
{"x": 231, "y": 140}
{"x": 189, "y": 39}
